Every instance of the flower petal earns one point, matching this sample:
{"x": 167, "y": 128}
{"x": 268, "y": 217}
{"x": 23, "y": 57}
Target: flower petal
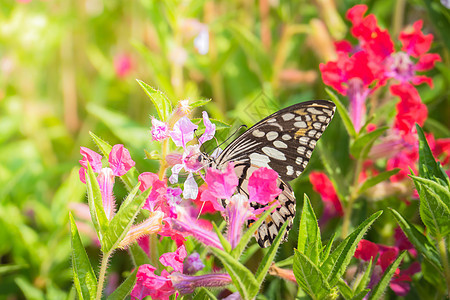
{"x": 120, "y": 160}
{"x": 209, "y": 131}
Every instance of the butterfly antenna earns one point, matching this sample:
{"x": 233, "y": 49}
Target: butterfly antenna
{"x": 236, "y": 131}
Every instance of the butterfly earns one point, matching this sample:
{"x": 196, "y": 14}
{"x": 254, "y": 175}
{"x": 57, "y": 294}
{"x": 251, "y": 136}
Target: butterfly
{"x": 284, "y": 142}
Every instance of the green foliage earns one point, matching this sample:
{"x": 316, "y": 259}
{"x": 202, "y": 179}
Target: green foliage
{"x": 320, "y": 278}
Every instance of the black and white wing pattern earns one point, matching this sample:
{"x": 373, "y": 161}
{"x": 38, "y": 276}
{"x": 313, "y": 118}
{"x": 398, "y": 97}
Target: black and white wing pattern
{"x": 284, "y": 142}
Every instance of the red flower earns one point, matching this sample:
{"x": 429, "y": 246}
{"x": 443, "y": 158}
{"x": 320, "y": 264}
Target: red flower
{"x": 366, "y": 250}
{"x": 410, "y": 110}
{"x": 322, "y": 185}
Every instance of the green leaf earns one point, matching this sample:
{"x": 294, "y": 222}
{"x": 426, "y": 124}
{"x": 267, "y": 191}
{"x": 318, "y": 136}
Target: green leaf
{"x": 336, "y": 264}
{"x": 378, "y": 290}
{"x": 204, "y": 294}
{"x": 326, "y": 251}
{"x": 225, "y": 244}
{"x": 361, "y": 295}
{"x": 83, "y": 275}
{"x": 419, "y": 240}
{"x": 285, "y": 262}
{"x": 270, "y": 255}
{"x": 96, "y": 204}
{"x": 199, "y": 103}
{"x": 122, "y": 221}
{"x": 309, "y": 241}
{"x": 363, "y": 281}
{"x": 309, "y": 277}
{"x": 437, "y": 15}
{"x": 428, "y": 167}
{"x": 344, "y": 289}
{"x": 253, "y": 49}
{"x": 370, "y": 182}
{"x": 361, "y": 146}
{"x": 125, "y": 288}
{"x": 343, "y": 113}
{"x": 138, "y": 255}
{"x": 7, "y": 269}
{"x": 243, "y": 279}
{"x": 104, "y": 147}
{"x": 245, "y": 239}
{"x": 434, "y": 212}
{"x": 160, "y": 101}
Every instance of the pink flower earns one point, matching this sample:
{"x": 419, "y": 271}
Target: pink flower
{"x": 150, "y": 284}
{"x": 183, "y": 132}
{"x": 119, "y": 161}
{"x": 209, "y": 131}
{"x": 160, "y": 130}
{"x": 186, "y": 224}
{"x": 238, "y": 212}
{"x": 262, "y": 186}
{"x": 222, "y": 184}
{"x": 322, "y": 185}
{"x": 122, "y": 65}
{"x": 94, "y": 159}
{"x": 174, "y": 259}
{"x": 366, "y": 250}
{"x": 190, "y": 163}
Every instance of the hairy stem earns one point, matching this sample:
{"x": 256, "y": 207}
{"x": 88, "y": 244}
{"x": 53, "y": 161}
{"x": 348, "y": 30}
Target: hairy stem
{"x": 102, "y": 275}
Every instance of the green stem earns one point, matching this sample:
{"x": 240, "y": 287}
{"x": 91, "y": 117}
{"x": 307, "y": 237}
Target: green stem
{"x": 351, "y": 199}
{"x": 397, "y": 20}
{"x": 444, "y": 258}
{"x": 102, "y": 275}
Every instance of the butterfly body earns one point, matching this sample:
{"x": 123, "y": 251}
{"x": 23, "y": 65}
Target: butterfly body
{"x": 284, "y": 142}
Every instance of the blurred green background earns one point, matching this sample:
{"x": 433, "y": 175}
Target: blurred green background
{"x": 69, "y": 67}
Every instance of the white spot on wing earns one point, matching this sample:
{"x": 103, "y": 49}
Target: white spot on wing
{"x": 300, "y": 124}
{"x": 258, "y": 133}
{"x": 314, "y": 111}
{"x": 286, "y": 137}
{"x": 317, "y": 125}
{"x": 301, "y": 150}
{"x": 304, "y": 140}
{"x": 280, "y": 144}
{"x": 259, "y": 160}
{"x": 322, "y": 119}
{"x": 312, "y": 144}
{"x": 290, "y": 170}
{"x": 271, "y": 135}
{"x": 297, "y": 173}
{"x": 298, "y": 160}
{"x": 308, "y": 154}
{"x": 288, "y": 116}
{"x": 274, "y": 153}
{"x": 327, "y": 111}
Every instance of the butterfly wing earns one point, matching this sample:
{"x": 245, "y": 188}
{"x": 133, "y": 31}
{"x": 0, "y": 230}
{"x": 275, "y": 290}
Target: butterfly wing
{"x": 284, "y": 142}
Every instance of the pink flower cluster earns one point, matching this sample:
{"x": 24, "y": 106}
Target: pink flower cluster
{"x": 172, "y": 217}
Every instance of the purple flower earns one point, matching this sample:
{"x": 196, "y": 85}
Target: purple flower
{"x": 193, "y": 264}
{"x": 183, "y": 132}
{"x": 186, "y": 284}
{"x": 160, "y": 130}
{"x": 209, "y": 131}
